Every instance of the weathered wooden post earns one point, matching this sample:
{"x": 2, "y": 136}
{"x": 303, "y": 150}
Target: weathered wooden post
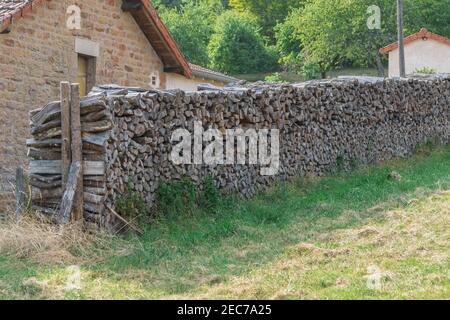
{"x": 19, "y": 192}
{"x": 66, "y": 156}
{"x": 77, "y": 153}
{"x": 401, "y": 44}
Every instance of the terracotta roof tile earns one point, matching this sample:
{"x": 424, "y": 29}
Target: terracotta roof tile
{"x": 12, "y": 10}
{"x": 422, "y": 34}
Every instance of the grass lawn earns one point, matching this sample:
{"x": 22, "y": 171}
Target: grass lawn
{"x": 294, "y": 77}
{"x": 310, "y": 239}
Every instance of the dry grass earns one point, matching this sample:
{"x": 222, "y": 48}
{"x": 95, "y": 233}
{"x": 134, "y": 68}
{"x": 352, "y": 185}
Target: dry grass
{"x": 409, "y": 247}
{"x": 320, "y": 240}
{"x": 34, "y": 238}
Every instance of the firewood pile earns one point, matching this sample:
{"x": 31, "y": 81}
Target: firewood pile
{"x": 126, "y": 134}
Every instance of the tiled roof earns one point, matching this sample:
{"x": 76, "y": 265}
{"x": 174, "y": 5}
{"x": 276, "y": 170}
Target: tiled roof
{"x": 422, "y": 34}
{"x": 203, "y": 72}
{"x": 12, "y": 10}
{"x": 143, "y": 12}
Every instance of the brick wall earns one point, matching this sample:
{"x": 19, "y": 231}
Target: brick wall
{"x": 40, "y": 52}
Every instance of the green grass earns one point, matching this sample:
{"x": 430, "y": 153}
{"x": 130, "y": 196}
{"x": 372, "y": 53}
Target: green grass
{"x": 294, "y": 77}
{"x": 308, "y": 239}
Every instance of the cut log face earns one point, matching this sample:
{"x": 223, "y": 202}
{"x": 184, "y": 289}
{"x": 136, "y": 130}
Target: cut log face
{"x": 126, "y": 134}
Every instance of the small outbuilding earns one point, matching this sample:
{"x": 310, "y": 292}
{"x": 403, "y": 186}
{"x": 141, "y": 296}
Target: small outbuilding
{"x": 423, "y": 50}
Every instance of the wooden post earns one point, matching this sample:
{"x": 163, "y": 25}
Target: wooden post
{"x": 65, "y": 131}
{"x": 19, "y": 192}
{"x": 68, "y": 201}
{"x": 77, "y": 153}
{"x": 401, "y": 43}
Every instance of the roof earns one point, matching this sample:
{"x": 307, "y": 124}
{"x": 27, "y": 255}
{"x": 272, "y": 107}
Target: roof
{"x": 142, "y": 11}
{"x": 423, "y": 34}
{"x": 203, "y": 72}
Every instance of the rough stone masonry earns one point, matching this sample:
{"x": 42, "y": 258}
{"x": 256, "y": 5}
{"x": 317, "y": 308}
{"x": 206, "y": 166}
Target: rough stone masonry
{"x": 321, "y": 124}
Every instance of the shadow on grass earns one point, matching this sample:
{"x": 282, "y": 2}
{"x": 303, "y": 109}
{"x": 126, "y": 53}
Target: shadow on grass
{"x": 179, "y": 254}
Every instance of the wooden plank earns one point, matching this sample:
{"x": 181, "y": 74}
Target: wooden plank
{"x": 45, "y": 166}
{"x": 66, "y": 156}
{"x": 49, "y": 143}
{"x": 46, "y": 126}
{"x": 93, "y": 198}
{"x": 77, "y": 150}
{"x": 52, "y": 178}
{"x": 91, "y": 168}
{"x": 43, "y": 154}
{"x": 50, "y": 112}
{"x": 97, "y": 191}
{"x": 68, "y": 199}
{"x": 20, "y": 192}
{"x": 45, "y": 185}
{"x": 41, "y": 194}
{"x": 94, "y": 168}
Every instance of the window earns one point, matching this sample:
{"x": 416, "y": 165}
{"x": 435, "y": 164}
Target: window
{"x": 154, "y": 80}
{"x": 86, "y": 73}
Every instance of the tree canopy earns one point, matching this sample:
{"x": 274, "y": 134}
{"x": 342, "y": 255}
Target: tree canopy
{"x": 305, "y": 36}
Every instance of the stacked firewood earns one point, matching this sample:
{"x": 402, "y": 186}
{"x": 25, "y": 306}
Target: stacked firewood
{"x": 44, "y": 151}
{"x": 322, "y": 125}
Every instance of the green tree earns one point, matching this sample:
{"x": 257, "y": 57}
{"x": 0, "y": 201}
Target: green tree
{"x": 237, "y": 47}
{"x": 267, "y": 12}
{"x": 333, "y": 33}
{"x": 192, "y": 26}
{"x": 431, "y": 14}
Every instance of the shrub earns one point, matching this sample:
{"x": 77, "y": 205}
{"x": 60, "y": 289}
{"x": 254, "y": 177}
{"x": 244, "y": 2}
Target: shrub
{"x": 274, "y": 78}
{"x": 192, "y": 25}
{"x": 131, "y": 205}
{"x": 185, "y": 197}
{"x": 237, "y": 47}
{"x": 425, "y": 70}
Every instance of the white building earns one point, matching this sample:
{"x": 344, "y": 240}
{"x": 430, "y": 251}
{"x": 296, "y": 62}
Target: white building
{"x": 423, "y": 49}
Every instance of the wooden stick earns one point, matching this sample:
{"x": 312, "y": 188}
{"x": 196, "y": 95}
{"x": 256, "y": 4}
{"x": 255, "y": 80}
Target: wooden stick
{"x": 125, "y": 221}
{"x": 77, "y": 152}
{"x": 19, "y": 191}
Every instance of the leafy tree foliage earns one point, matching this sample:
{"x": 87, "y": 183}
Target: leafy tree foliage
{"x": 310, "y": 36}
{"x": 192, "y": 27}
{"x": 237, "y": 47}
{"x": 267, "y": 12}
{"x": 431, "y": 14}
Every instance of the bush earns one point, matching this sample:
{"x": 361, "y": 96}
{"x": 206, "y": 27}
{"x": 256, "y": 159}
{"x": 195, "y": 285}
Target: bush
{"x": 425, "y": 70}
{"x": 192, "y": 26}
{"x": 310, "y": 71}
{"x": 237, "y": 47}
{"x": 274, "y": 78}
{"x": 185, "y": 197}
{"x": 131, "y": 205}
{"x": 288, "y": 45}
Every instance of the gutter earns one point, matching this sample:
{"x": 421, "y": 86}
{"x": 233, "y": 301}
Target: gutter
{"x": 213, "y": 76}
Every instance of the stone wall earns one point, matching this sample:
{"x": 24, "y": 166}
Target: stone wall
{"x": 39, "y": 52}
{"x": 320, "y": 125}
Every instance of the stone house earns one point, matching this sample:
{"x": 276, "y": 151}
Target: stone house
{"x": 43, "y": 42}
{"x": 423, "y": 49}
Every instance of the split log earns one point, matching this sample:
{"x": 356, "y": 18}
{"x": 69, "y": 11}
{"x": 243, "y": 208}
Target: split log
{"x": 67, "y": 203}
